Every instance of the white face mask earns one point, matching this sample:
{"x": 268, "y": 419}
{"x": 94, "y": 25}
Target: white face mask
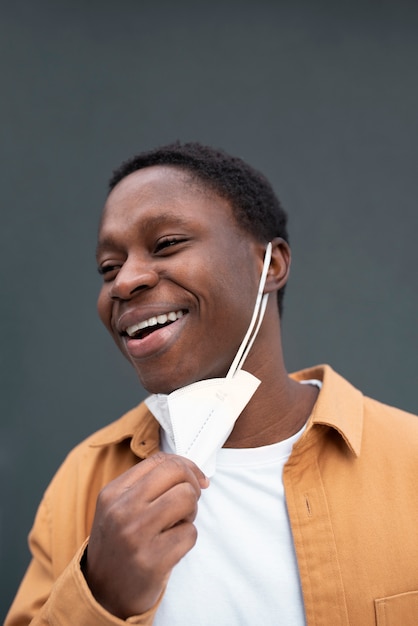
{"x": 199, "y": 418}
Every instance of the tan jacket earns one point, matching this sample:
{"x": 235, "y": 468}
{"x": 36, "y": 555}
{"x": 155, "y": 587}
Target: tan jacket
{"x": 352, "y": 493}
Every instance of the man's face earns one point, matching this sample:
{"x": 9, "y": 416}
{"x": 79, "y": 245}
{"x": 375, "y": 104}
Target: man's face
{"x": 180, "y": 278}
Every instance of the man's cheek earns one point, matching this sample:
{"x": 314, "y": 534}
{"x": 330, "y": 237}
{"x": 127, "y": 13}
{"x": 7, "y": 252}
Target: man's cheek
{"x": 104, "y": 310}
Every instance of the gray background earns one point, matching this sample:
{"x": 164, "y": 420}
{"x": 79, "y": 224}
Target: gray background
{"x": 321, "y": 96}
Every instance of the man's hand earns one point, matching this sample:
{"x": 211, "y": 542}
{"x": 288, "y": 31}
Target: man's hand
{"x": 142, "y": 527}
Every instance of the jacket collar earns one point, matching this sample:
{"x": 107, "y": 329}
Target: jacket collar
{"x": 138, "y": 425}
{"x": 339, "y": 406}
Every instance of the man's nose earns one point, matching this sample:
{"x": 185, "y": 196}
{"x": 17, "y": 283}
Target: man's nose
{"x": 135, "y": 275}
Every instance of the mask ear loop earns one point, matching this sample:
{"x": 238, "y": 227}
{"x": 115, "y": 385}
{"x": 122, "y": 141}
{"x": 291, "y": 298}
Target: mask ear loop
{"x": 260, "y": 319}
{"x": 259, "y": 310}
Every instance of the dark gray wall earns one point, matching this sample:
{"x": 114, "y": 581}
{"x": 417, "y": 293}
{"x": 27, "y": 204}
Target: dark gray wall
{"x": 321, "y": 96}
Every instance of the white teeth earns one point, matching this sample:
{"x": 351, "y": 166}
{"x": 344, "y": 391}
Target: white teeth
{"x": 172, "y": 316}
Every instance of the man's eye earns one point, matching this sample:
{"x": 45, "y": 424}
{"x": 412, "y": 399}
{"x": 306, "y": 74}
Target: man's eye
{"x": 167, "y": 242}
{"x": 107, "y": 270}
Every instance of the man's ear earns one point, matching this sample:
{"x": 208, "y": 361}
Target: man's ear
{"x": 279, "y": 269}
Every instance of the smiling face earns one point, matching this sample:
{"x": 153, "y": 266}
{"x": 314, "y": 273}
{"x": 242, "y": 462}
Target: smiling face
{"x": 180, "y": 277}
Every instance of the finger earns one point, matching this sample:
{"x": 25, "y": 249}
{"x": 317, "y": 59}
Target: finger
{"x": 162, "y": 472}
{"x": 174, "y": 543}
{"x": 167, "y": 464}
{"x": 173, "y": 470}
{"x": 161, "y": 457}
{"x": 177, "y": 505}
{"x": 134, "y": 492}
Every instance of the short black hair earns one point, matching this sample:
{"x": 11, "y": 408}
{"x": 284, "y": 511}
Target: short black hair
{"x": 254, "y": 204}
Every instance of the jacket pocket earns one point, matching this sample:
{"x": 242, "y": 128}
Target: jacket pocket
{"x": 399, "y": 610}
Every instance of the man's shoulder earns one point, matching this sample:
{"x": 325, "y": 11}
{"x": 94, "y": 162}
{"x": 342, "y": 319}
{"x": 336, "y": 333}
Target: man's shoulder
{"x": 335, "y": 385}
{"x": 391, "y": 427}
{"x": 101, "y": 457}
{"x": 386, "y": 411}
{"x": 345, "y": 408}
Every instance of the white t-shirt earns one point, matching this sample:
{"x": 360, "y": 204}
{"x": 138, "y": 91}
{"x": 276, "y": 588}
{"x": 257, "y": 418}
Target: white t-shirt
{"x": 243, "y": 568}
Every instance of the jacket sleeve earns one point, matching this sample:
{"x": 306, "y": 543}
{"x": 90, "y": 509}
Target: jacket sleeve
{"x": 65, "y": 600}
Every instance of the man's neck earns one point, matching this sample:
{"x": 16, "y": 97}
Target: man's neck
{"x": 277, "y": 411}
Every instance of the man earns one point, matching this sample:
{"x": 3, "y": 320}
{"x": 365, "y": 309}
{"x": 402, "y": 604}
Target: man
{"x": 310, "y": 515}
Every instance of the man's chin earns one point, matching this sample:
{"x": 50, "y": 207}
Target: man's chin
{"x": 159, "y": 385}
{"x": 165, "y": 380}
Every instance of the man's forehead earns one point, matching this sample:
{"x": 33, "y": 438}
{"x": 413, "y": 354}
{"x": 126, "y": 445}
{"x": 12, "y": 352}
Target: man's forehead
{"x": 160, "y": 196}
{"x": 163, "y": 188}
{"x": 159, "y": 178}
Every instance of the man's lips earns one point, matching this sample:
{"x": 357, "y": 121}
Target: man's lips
{"x": 145, "y": 327}
{"x": 160, "y": 333}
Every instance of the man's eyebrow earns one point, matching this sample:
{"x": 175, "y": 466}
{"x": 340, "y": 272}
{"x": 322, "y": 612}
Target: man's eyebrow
{"x": 105, "y": 243}
{"x": 168, "y": 218}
